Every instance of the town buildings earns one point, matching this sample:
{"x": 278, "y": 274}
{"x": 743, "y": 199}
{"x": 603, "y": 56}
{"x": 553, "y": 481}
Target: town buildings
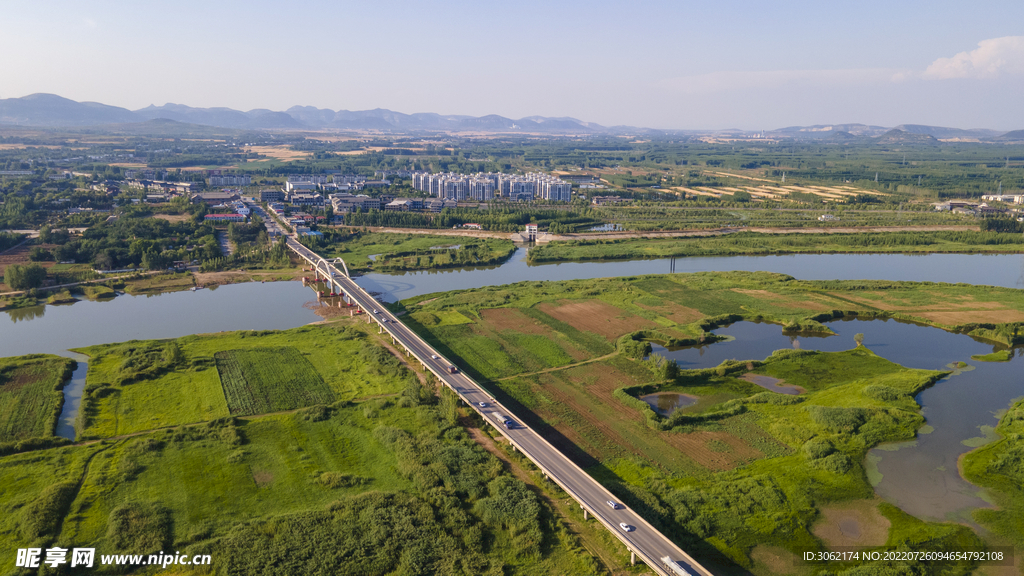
{"x": 487, "y": 186}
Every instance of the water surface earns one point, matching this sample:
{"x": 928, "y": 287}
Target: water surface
{"x": 990, "y": 269}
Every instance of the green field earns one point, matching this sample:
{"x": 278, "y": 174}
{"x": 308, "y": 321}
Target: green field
{"x": 263, "y": 380}
{"x": 378, "y": 488}
{"x": 137, "y": 386}
{"x": 31, "y": 395}
{"x": 742, "y": 470}
{"x": 752, "y": 243}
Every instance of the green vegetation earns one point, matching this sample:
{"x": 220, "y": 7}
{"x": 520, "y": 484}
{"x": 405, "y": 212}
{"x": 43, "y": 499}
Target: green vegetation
{"x": 999, "y": 467}
{"x": 382, "y": 252}
{"x": 20, "y": 277}
{"x": 334, "y": 489}
{"x": 741, "y": 467}
{"x": 752, "y": 243}
{"x": 263, "y": 380}
{"x": 31, "y": 396}
{"x": 997, "y": 356}
{"x": 138, "y": 386}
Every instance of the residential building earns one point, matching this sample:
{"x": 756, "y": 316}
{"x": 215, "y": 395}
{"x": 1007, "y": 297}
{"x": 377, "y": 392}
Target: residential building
{"x": 271, "y": 195}
{"x": 304, "y": 199}
{"x": 218, "y": 179}
{"x": 214, "y": 198}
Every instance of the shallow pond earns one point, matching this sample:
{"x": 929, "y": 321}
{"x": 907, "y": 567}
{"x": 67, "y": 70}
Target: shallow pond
{"x": 921, "y": 476}
{"x": 665, "y": 403}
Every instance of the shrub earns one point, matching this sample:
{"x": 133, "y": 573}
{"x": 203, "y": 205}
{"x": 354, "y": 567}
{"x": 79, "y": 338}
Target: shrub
{"x": 139, "y": 528}
{"x": 335, "y": 480}
{"x": 837, "y": 463}
{"x": 883, "y": 393}
{"x": 838, "y": 419}
{"x": 818, "y": 447}
{"x": 43, "y": 515}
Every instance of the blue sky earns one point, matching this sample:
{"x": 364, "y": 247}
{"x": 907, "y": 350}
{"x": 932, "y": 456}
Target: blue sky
{"x": 666, "y": 64}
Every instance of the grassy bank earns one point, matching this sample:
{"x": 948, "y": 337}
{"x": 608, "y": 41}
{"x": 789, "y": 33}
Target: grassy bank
{"x": 743, "y": 477}
{"x": 999, "y": 467}
{"x": 396, "y": 252}
{"x": 31, "y": 395}
{"x": 755, "y": 244}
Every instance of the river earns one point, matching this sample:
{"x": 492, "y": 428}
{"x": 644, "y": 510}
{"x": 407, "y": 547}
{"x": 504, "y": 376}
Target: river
{"x": 992, "y": 269}
{"x": 921, "y": 477}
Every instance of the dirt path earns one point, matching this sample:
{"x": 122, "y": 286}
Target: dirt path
{"x": 557, "y": 368}
{"x": 561, "y": 507}
{"x": 731, "y": 230}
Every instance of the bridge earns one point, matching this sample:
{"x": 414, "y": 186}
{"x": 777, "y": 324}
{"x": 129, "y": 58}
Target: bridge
{"x": 643, "y": 541}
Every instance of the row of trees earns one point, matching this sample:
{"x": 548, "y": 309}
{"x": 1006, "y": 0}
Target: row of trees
{"x": 19, "y": 277}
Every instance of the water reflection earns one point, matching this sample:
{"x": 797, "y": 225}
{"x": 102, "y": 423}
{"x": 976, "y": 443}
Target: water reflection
{"x": 26, "y": 313}
{"x": 665, "y": 403}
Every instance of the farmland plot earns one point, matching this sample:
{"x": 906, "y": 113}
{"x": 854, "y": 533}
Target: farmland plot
{"x": 262, "y": 380}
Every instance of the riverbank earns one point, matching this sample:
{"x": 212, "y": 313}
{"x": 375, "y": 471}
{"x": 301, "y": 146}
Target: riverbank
{"x": 744, "y": 242}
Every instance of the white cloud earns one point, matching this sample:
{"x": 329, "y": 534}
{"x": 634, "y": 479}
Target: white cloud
{"x": 992, "y": 58}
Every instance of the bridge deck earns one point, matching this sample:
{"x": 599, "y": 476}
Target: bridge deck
{"x": 650, "y": 545}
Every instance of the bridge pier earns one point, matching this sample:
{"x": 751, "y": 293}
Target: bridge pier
{"x": 585, "y": 513}
{"x": 632, "y": 558}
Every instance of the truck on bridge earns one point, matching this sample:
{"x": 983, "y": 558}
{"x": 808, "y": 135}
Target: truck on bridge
{"x": 505, "y": 420}
{"x": 675, "y": 567}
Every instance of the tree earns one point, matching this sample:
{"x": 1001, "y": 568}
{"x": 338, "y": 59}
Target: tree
{"x": 39, "y": 254}
{"x": 20, "y": 277}
{"x": 859, "y": 339}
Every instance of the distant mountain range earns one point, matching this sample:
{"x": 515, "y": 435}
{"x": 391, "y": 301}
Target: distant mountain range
{"x": 49, "y": 110}
{"x": 52, "y": 111}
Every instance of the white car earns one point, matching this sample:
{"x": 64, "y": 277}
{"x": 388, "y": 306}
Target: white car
{"x": 614, "y": 505}
{"x": 434, "y": 356}
{"x": 375, "y": 311}
{"x": 625, "y": 527}
{"x": 482, "y": 404}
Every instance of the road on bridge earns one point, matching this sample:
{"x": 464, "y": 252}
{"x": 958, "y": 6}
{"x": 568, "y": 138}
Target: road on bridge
{"x": 642, "y": 538}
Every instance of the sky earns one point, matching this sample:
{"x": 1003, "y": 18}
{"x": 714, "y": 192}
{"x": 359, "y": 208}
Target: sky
{"x": 659, "y": 64}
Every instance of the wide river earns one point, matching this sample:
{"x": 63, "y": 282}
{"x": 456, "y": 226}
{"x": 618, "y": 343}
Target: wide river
{"x": 919, "y": 476}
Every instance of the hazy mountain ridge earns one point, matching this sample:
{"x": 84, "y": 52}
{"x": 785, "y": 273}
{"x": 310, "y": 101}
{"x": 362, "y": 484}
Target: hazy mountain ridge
{"x": 49, "y": 110}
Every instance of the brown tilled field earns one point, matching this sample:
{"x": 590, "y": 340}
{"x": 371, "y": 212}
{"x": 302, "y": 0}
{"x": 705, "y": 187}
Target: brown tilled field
{"x": 701, "y": 447}
{"x": 19, "y": 255}
{"x": 596, "y": 317}
{"x": 512, "y": 319}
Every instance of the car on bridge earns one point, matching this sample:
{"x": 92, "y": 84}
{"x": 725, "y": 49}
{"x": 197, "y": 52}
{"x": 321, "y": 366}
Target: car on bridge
{"x": 626, "y": 527}
{"x": 482, "y": 404}
{"x": 614, "y": 505}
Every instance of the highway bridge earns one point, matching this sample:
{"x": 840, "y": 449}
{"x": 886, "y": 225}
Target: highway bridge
{"x": 643, "y": 541}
